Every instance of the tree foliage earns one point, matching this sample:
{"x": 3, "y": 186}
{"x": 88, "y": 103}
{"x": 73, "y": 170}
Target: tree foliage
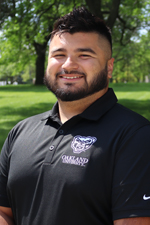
{"x": 134, "y": 61}
{"x": 26, "y": 25}
{"x": 31, "y": 22}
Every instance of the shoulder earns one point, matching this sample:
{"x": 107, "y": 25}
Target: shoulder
{"x": 127, "y": 118}
{"x": 33, "y": 119}
{"x": 23, "y": 130}
{"x": 38, "y": 117}
{"x": 124, "y": 124}
{"x": 27, "y": 125}
{"x": 128, "y": 114}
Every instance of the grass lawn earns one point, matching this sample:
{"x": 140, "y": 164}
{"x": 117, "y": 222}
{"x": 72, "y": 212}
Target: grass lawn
{"x": 22, "y": 101}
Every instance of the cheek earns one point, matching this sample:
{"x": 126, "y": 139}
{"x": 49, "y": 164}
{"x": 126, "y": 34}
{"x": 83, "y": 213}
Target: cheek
{"x": 53, "y": 65}
{"x": 93, "y": 68}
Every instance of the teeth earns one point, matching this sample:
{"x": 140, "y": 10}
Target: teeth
{"x": 70, "y": 77}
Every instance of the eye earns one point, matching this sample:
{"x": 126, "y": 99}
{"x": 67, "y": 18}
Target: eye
{"x": 85, "y": 56}
{"x": 59, "y": 56}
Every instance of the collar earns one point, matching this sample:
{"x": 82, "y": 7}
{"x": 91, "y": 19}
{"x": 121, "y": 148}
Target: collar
{"x": 100, "y": 106}
{"x": 53, "y": 113}
{"x": 93, "y": 112}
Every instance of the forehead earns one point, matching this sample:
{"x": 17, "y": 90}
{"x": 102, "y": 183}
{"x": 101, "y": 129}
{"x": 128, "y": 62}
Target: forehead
{"x": 77, "y": 40}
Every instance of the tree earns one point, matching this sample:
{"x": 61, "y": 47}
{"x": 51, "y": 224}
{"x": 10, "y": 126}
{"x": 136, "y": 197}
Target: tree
{"x": 126, "y": 18}
{"x": 32, "y": 20}
{"x": 13, "y": 58}
{"x": 134, "y": 61}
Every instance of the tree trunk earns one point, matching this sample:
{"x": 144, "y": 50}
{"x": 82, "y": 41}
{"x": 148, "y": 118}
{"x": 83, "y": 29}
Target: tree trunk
{"x": 113, "y": 13}
{"x": 96, "y": 6}
{"x": 40, "y": 62}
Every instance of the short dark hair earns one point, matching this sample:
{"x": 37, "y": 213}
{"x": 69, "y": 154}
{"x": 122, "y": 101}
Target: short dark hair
{"x": 81, "y": 20}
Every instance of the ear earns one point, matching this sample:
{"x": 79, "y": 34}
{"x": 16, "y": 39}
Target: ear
{"x": 110, "y": 65}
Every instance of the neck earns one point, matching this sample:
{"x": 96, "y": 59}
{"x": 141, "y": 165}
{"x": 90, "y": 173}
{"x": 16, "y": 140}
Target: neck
{"x": 69, "y": 109}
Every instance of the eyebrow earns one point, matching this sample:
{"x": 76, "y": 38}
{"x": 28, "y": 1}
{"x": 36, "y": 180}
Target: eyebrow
{"x": 77, "y": 50}
{"x": 86, "y": 50}
{"x": 58, "y": 50}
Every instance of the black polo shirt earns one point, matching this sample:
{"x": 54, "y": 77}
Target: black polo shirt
{"x": 90, "y": 170}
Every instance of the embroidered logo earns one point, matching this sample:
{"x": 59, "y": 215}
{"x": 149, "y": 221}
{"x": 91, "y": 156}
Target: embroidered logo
{"x": 146, "y": 197}
{"x": 81, "y": 143}
{"x": 79, "y": 161}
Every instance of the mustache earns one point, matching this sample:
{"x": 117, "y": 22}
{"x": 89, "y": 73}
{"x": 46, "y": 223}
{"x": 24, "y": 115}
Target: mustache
{"x": 62, "y": 72}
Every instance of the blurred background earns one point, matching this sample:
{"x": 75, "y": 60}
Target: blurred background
{"x": 25, "y": 26}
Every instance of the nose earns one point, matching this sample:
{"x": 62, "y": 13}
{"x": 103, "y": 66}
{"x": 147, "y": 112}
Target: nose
{"x": 70, "y": 64}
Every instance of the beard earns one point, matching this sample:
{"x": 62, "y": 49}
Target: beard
{"x": 99, "y": 82}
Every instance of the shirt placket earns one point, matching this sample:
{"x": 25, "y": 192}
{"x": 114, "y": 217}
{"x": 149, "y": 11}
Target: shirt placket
{"x": 54, "y": 144}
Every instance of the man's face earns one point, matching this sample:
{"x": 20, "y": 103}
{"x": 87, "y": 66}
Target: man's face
{"x": 78, "y": 65}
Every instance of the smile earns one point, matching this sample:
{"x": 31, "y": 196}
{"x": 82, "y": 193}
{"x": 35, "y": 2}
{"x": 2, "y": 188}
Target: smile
{"x": 75, "y": 77}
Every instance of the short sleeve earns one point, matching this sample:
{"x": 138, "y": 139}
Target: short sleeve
{"x": 131, "y": 179}
{"x": 4, "y": 167}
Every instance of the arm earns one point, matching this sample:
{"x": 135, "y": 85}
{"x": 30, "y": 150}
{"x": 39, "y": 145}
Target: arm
{"x": 133, "y": 221}
{"x": 130, "y": 181}
{"x": 6, "y": 216}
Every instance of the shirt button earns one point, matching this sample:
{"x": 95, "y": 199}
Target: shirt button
{"x": 61, "y": 131}
{"x": 51, "y": 147}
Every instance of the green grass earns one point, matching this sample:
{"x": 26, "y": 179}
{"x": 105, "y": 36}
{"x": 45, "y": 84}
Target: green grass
{"x": 22, "y": 101}
{"x": 135, "y": 96}
{"x": 19, "y": 102}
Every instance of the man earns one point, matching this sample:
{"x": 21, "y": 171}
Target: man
{"x": 87, "y": 160}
